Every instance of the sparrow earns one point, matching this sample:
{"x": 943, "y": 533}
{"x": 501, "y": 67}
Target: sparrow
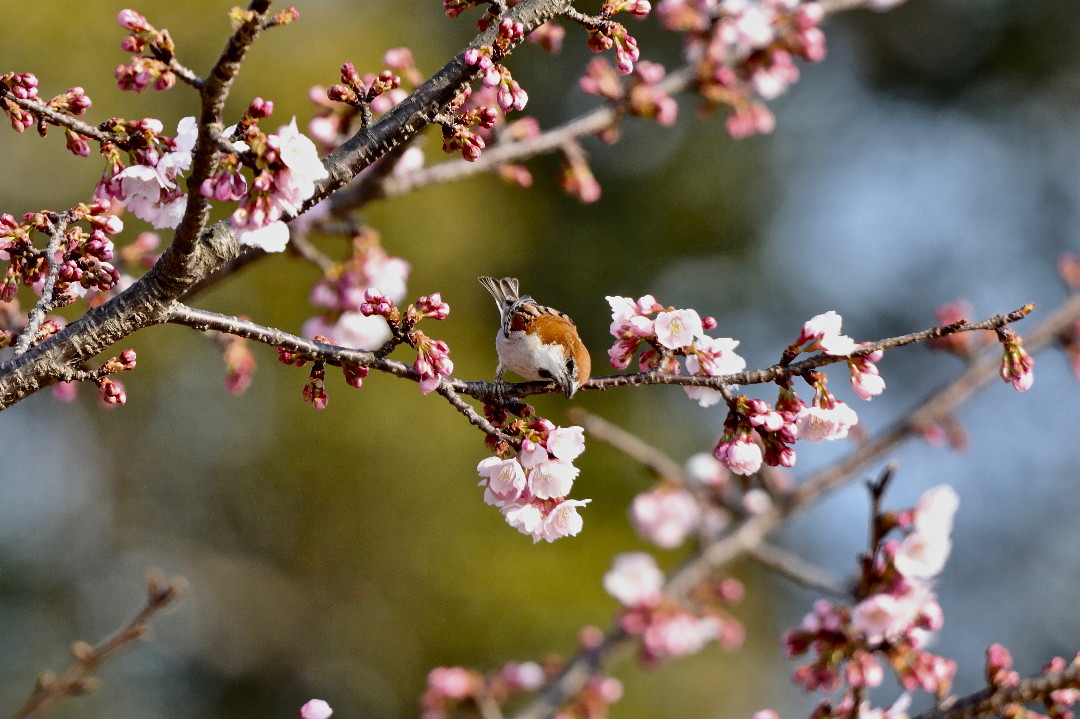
{"x": 535, "y": 341}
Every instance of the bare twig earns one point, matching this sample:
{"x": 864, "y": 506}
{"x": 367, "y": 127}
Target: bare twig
{"x": 474, "y": 417}
{"x": 60, "y": 119}
{"x": 76, "y": 678}
{"x": 798, "y": 570}
{"x": 652, "y": 458}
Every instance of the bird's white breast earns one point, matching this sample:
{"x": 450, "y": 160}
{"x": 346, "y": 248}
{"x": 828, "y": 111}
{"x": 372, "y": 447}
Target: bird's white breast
{"x": 525, "y": 355}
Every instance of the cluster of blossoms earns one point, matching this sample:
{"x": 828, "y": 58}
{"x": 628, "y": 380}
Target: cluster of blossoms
{"x": 509, "y": 94}
{"x": 666, "y": 629}
{"x": 338, "y": 109}
{"x": 1016, "y": 364}
{"x": 606, "y": 35}
{"x": 432, "y": 356}
{"x": 1000, "y": 674}
{"x": 152, "y": 50}
{"x": 641, "y": 95}
{"x": 340, "y": 294}
{"x": 470, "y": 116}
{"x": 530, "y": 484}
{"x": 754, "y": 432}
{"x": 83, "y": 260}
{"x": 360, "y": 91}
{"x": 286, "y": 166}
{"x": 23, "y": 86}
{"x": 457, "y": 131}
{"x": 149, "y": 186}
{"x": 670, "y": 334}
{"x": 450, "y": 687}
{"x": 457, "y": 691}
{"x": 894, "y": 619}
{"x": 110, "y": 390}
{"x": 745, "y": 51}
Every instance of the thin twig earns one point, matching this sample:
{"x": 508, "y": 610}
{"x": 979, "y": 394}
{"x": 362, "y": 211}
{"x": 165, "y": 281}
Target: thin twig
{"x": 652, "y": 458}
{"x": 45, "y": 303}
{"x": 309, "y": 252}
{"x": 60, "y": 119}
{"x": 485, "y": 390}
{"x": 798, "y": 570}
{"x": 474, "y": 417}
{"x": 76, "y": 678}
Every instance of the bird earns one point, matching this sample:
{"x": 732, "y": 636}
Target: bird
{"x": 536, "y": 341}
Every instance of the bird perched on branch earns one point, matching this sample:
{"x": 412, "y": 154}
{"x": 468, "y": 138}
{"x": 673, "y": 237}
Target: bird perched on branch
{"x": 536, "y": 341}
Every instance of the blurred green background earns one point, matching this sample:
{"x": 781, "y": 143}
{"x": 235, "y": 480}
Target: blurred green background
{"x": 342, "y": 554}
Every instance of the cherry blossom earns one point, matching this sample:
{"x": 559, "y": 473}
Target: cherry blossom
{"x": 149, "y": 189}
{"x": 634, "y": 580}
{"x": 316, "y": 709}
{"x": 665, "y": 516}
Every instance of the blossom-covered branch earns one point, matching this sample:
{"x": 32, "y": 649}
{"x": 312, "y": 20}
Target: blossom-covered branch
{"x": 1006, "y": 698}
{"x": 740, "y": 539}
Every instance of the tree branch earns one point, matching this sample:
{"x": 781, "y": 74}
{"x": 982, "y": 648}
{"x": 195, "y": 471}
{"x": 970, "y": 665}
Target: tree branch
{"x": 76, "y": 678}
{"x": 993, "y": 700}
{"x": 45, "y": 303}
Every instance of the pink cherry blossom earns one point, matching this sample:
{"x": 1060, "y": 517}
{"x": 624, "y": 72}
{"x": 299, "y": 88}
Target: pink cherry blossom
{"x": 452, "y": 682}
{"x": 526, "y": 676}
{"x": 707, "y": 470}
{"x": 678, "y": 328}
{"x": 566, "y": 443}
{"x": 922, "y": 555}
{"x": 149, "y": 188}
{"x": 316, "y": 709}
{"x": 741, "y": 455}
{"x": 678, "y": 634}
{"x": 526, "y": 518}
{"x": 880, "y": 617}
{"x": 665, "y": 516}
{"x": 634, "y": 580}
{"x": 505, "y": 479}
{"x": 825, "y": 329}
{"x": 815, "y": 423}
{"x": 563, "y": 520}
{"x": 935, "y": 510}
{"x": 552, "y": 479}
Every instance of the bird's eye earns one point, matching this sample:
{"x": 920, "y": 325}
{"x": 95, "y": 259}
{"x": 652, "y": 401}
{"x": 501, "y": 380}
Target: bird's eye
{"x": 570, "y": 365}
{"x": 545, "y": 374}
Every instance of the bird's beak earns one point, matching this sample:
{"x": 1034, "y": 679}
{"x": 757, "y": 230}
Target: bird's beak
{"x": 570, "y": 386}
